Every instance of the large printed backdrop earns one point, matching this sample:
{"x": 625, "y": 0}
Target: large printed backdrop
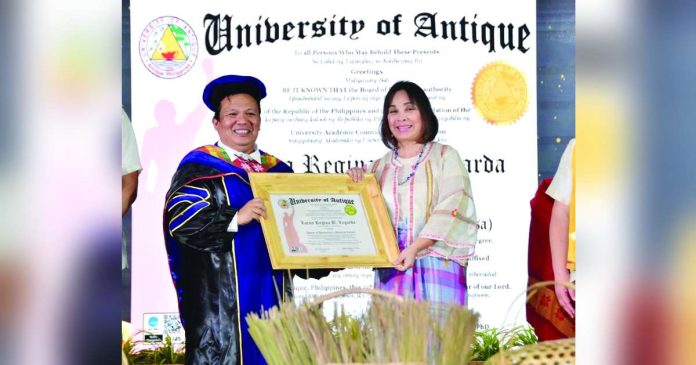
{"x": 327, "y": 73}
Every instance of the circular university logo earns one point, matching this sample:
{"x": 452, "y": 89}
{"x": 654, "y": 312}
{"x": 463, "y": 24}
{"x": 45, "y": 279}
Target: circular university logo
{"x": 168, "y": 47}
{"x": 499, "y": 93}
{"x": 350, "y": 209}
{"x": 283, "y": 203}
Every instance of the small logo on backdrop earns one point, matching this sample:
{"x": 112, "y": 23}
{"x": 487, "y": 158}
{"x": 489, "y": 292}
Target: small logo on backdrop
{"x": 153, "y": 321}
{"x": 283, "y": 203}
{"x": 168, "y": 47}
{"x": 153, "y": 329}
{"x": 499, "y": 93}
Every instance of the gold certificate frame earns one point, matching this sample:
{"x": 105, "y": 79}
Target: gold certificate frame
{"x": 324, "y": 221}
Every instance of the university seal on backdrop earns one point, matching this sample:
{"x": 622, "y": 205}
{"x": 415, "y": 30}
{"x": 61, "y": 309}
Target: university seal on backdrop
{"x": 168, "y": 47}
{"x": 499, "y": 93}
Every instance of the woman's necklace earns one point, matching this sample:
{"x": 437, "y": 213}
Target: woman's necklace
{"x": 415, "y": 165}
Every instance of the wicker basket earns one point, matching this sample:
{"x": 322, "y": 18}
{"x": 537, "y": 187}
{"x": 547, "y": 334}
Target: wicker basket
{"x": 557, "y": 352}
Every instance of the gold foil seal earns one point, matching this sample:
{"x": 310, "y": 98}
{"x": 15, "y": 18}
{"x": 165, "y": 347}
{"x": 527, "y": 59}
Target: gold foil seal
{"x": 499, "y": 93}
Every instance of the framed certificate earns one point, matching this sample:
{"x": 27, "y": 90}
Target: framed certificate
{"x": 324, "y": 221}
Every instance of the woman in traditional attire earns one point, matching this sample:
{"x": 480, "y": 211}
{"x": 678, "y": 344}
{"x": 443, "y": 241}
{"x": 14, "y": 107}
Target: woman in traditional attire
{"x": 428, "y": 194}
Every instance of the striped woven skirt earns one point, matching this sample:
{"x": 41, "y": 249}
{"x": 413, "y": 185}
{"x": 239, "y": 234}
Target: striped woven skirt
{"x": 430, "y": 279}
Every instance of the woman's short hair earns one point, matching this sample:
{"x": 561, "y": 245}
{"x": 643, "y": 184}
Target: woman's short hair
{"x": 417, "y": 96}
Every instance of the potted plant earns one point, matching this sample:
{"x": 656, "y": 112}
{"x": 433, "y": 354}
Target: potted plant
{"x": 490, "y": 341}
{"x": 139, "y": 352}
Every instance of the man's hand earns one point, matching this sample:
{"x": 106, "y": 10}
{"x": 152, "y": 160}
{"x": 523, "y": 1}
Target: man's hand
{"x": 565, "y": 295}
{"x": 253, "y": 209}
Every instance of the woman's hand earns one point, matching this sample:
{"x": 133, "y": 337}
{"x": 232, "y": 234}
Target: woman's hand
{"x": 407, "y": 257}
{"x": 356, "y": 173}
{"x": 565, "y": 295}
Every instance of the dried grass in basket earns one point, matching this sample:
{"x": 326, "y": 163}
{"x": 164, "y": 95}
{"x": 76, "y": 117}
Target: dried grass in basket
{"x": 393, "y": 330}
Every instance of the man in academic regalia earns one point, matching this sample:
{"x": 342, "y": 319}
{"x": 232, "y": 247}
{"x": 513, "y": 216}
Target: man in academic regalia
{"x": 216, "y": 250}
